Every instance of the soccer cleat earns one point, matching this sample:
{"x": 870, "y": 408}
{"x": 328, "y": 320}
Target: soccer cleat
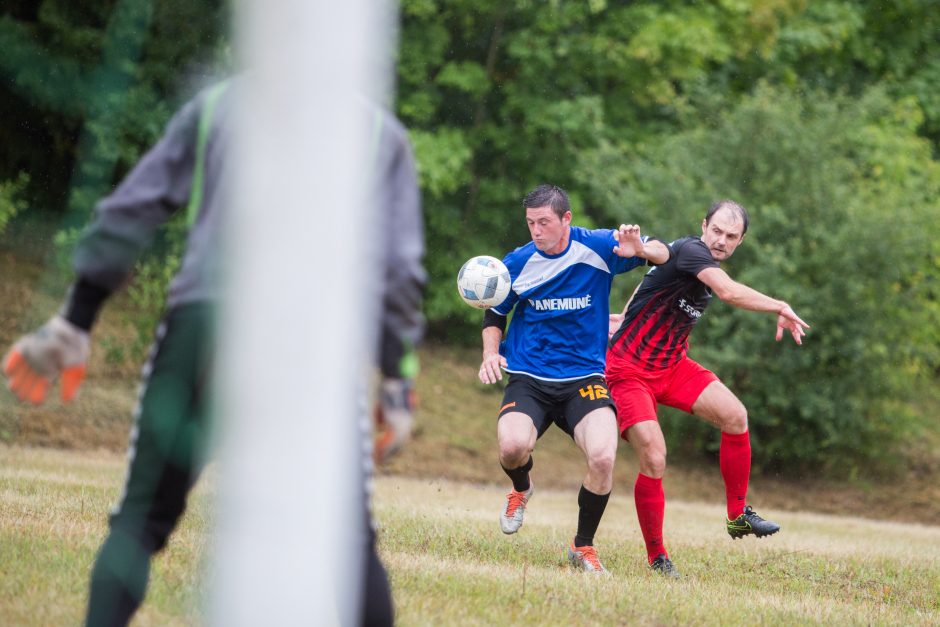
{"x": 511, "y": 518}
{"x": 664, "y": 566}
{"x": 585, "y": 558}
{"x": 749, "y": 522}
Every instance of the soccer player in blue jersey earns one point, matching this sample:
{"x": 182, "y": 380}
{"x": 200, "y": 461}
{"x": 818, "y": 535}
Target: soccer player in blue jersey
{"x": 555, "y": 351}
{"x": 647, "y": 365}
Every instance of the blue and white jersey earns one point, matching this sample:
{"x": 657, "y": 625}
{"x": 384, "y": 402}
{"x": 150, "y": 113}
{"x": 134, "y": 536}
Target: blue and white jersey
{"x": 559, "y": 329}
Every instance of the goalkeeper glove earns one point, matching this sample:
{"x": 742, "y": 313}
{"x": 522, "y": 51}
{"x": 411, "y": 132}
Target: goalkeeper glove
{"x": 37, "y": 359}
{"x": 394, "y": 416}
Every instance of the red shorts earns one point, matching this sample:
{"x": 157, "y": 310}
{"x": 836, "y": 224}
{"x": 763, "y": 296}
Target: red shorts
{"x": 636, "y": 391}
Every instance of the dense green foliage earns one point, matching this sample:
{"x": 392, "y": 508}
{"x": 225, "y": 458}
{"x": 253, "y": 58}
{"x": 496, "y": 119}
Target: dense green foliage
{"x": 90, "y": 86}
{"x": 504, "y": 95}
{"x": 11, "y": 201}
{"x": 822, "y": 117}
{"x": 843, "y": 226}
{"x": 816, "y": 116}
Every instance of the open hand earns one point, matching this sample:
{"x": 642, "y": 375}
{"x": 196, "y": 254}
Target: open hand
{"x": 787, "y": 319}
{"x": 490, "y": 369}
{"x": 628, "y": 239}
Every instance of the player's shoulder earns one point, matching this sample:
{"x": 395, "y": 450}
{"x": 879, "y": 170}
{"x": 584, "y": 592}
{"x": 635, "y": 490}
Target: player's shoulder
{"x": 381, "y": 120}
{"x": 689, "y": 243}
{"x": 601, "y": 241}
{"x": 389, "y": 122}
{"x": 517, "y": 258}
{"x": 582, "y": 234}
{"x": 185, "y": 121}
{"x": 690, "y": 254}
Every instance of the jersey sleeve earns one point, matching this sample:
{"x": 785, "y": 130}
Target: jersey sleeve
{"x": 693, "y": 257}
{"x": 402, "y": 326}
{"x": 512, "y": 298}
{"x": 125, "y": 222}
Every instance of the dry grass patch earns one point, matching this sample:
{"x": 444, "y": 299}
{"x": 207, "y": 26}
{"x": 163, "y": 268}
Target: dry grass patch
{"x": 53, "y": 516}
{"x": 450, "y": 564}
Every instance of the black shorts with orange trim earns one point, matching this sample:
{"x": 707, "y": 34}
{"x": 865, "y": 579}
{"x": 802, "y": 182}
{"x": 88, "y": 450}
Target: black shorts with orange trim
{"x": 564, "y": 403}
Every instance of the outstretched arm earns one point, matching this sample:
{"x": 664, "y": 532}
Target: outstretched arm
{"x": 744, "y": 297}
{"x": 631, "y": 244}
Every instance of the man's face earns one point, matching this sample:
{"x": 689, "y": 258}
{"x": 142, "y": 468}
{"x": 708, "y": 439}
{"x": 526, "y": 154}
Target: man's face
{"x": 548, "y": 231}
{"x": 723, "y": 233}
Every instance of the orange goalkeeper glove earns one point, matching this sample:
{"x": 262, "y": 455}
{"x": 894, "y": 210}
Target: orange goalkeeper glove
{"x": 58, "y": 348}
{"x": 394, "y": 416}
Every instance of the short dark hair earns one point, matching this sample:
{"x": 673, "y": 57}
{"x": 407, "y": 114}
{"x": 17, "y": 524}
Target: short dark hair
{"x": 546, "y": 195}
{"x": 728, "y": 204}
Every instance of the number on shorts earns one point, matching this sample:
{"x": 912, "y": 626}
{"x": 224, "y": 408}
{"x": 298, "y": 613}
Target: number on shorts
{"x": 594, "y": 392}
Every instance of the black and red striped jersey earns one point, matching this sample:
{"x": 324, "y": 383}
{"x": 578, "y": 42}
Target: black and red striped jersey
{"x": 665, "y": 307}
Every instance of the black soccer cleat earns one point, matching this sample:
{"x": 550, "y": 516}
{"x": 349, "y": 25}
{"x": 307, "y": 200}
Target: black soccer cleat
{"x": 662, "y": 565}
{"x": 750, "y": 523}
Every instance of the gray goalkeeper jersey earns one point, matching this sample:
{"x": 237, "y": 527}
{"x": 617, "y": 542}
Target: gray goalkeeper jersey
{"x": 161, "y": 184}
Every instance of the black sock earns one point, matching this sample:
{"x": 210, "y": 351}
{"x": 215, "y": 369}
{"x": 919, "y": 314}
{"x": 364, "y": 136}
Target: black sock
{"x": 520, "y": 476}
{"x": 592, "y": 507}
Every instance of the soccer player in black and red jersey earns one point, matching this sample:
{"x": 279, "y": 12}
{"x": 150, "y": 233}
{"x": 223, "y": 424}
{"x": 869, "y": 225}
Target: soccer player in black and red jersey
{"x": 647, "y": 364}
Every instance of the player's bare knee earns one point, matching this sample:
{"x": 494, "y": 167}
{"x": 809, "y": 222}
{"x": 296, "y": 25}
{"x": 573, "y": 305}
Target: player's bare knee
{"x": 735, "y": 421}
{"x": 653, "y": 462}
{"x": 601, "y": 463}
{"x": 513, "y": 452}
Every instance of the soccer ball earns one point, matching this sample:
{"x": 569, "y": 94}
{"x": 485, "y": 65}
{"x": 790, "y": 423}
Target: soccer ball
{"x": 483, "y": 282}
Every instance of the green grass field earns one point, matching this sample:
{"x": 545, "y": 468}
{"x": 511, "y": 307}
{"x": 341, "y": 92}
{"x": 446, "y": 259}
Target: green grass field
{"x": 450, "y": 564}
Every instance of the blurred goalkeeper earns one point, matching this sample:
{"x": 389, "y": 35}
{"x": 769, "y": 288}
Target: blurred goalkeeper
{"x": 185, "y": 170}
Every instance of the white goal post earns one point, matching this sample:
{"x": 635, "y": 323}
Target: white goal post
{"x": 297, "y": 328}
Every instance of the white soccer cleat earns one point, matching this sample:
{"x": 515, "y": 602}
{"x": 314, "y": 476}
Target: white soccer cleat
{"x": 585, "y": 558}
{"x": 511, "y": 518}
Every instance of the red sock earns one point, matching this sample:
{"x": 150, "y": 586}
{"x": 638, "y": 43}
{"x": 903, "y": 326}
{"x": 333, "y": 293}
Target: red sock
{"x": 734, "y": 459}
{"x": 650, "y": 509}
